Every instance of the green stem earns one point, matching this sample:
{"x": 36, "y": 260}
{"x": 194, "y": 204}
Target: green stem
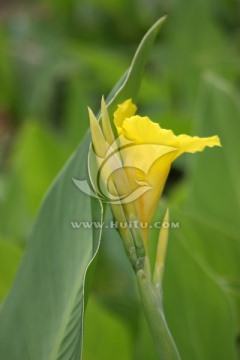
{"x": 152, "y": 305}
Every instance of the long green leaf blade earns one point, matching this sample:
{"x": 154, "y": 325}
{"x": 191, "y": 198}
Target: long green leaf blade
{"x": 42, "y": 318}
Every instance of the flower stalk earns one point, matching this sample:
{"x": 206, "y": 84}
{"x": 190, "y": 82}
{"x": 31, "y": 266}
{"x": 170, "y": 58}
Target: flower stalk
{"x": 151, "y": 299}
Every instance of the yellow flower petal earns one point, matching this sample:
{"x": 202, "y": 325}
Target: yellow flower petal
{"x": 141, "y": 130}
{"x": 124, "y": 110}
{"x": 193, "y": 144}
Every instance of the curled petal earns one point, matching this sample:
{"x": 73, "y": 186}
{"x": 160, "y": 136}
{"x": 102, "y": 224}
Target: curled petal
{"x": 124, "y": 110}
{"x": 142, "y": 130}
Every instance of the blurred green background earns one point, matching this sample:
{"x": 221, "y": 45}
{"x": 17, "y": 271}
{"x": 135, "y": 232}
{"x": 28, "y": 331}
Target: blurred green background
{"x": 57, "y": 58}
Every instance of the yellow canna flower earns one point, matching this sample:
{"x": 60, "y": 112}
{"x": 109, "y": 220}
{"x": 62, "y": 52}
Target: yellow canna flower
{"x": 153, "y": 140}
{"x": 134, "y": 167}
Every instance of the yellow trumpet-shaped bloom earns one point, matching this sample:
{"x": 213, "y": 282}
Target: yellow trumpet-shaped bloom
{"x": 134, "y": 167}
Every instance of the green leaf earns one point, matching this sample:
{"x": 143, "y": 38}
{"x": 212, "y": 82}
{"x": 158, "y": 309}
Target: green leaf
{"x": 128, "y": 87}
{"x": 42, "y": 317}
{"x": 198, "y": 312}
{"x": 216, "y": 214}
{"x": 218, "y": 112}
{"x": 115, "y": 334}
{"x": 35, "y": 160}
{"x": 202, "y": 267}
{"x": 10, "y": 256}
